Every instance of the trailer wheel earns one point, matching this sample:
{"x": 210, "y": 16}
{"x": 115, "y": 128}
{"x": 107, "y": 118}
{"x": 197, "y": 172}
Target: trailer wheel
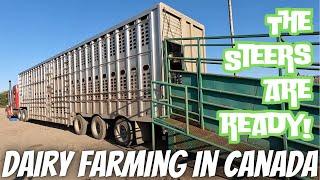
{"x": 123, "y": 132}
{"x": 98, "y": 127}
{"x": 80, "y": 125}
{"x": 19, "y": 114}
{"x": 23, "y": 115}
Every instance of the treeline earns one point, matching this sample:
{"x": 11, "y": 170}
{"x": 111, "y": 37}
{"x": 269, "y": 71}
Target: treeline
{"x": 3, "y": 99}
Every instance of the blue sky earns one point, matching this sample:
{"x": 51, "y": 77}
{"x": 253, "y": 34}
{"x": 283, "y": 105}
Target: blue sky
{"x": 32, "y": 31}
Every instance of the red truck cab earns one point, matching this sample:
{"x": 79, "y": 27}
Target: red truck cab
{"x": 13, "y": 106}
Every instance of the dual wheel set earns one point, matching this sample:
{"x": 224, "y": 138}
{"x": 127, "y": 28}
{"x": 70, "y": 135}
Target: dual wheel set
{"x": 21, "y": 114}
{"x": 122, "y": 128}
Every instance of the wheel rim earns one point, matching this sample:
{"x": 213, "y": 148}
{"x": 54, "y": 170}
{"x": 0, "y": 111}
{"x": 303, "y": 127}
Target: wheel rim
{"x": 122, "y": 131}
{"x": 98, "y": 128}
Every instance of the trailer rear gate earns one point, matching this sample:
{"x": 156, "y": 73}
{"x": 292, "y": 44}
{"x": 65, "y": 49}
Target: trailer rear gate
{"x": 109, "y": 74}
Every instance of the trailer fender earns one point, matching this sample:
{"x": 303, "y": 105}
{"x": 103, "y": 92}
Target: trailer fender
{"x": 142, "y": 132}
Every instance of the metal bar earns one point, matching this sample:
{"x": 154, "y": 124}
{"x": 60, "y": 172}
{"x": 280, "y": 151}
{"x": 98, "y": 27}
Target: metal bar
{"x": 80, "y": 79}
{"x": 191, "y": 58}
{"x": 168, "y": 84}
{"x": 199, "y": 75}
{"x": 283, "y": 107}
{"x": 153, "y": 136}
{"x": 226, "y": 44}
{"x": 86, "y": 79}
{"x": 152, "y": 118}
{"x": 241, "y": 36}
{"x": 205, "y": 62}
{"x": 71, "y": 105}
{"x": 209, "y": 103}
{"x": 309, "y": 105}
{"x": 310, "y": 68}
{"x": 221, "y": 60}
{"x": 181, "y": 58}
{"x": 9, "y": 95}
{"x": 166, "y": 75}
{"x": 108, "y": 71}
{"x": 139, "y": 68}
{"x": 117, "y": 70}
{"x": 190, "y": 118}
{"x": 305, "y": 143}
{"x": 186, "y": 108}
{"x": 231, "y": 21}
{"x": 167, "y": 104}
{"x": 101, "y": 106}
{"x": 128, "y": 68}
{"x": 75, "y": 68}
{"x": 169, "y": 87}
{"x": 220, "y": 37}
{"x": 232, "y": 93}
{"x": 93, "y": 79}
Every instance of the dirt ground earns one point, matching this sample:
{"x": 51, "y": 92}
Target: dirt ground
{"x": 37, "y": 135}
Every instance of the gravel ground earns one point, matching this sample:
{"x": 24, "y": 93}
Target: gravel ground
{"x": 37, "y": 135}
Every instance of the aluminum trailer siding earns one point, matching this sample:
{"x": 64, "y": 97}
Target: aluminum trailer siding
{"x": 109, "y": 74}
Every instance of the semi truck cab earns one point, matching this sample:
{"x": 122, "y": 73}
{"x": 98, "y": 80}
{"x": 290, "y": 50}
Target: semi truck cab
{"x": 13, "y": 107}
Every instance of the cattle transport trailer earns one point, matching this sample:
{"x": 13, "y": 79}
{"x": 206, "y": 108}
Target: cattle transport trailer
{"x": 106, "y": 79}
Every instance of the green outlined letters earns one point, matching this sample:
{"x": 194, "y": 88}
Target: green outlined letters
{"x": 291, "y": 90}
{"x": 291, "y": 20}
{"x": 263, "y": 124}
{"x": 277, "y": 54}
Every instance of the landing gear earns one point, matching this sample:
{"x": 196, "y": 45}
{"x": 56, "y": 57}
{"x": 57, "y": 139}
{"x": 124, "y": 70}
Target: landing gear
{"x": 123, "y": 132}
{"x": 80, "y": 125}
{"x": 98, "y": 127}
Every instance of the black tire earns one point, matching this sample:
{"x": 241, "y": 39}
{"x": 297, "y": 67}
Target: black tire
{"x": 98, "y": 127}
{"x": 80, "y": 125}
{"x": 123, "y": 132}
{"x": 23, "y": 115}
{"x": 19, "y": 114}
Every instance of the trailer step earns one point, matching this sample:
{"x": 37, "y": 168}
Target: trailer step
{"x": 204, "y": 135}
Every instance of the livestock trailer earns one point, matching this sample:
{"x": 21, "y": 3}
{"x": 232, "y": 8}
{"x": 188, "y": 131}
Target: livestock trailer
{"x": 105, "y": 80}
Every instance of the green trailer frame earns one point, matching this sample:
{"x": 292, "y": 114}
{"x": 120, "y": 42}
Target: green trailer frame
{"x": 188, "y": 108}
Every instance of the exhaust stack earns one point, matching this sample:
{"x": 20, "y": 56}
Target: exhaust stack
{"x": 9, "y": 94}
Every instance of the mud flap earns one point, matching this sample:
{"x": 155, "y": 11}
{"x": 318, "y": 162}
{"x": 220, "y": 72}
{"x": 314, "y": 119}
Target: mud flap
{"x": 142, "y": 132}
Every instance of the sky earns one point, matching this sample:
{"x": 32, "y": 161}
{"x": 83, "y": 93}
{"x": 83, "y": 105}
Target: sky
{"x": 34, "y": 30}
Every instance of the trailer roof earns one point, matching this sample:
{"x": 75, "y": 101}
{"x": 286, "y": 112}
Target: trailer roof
{"x": 145, "y": 12}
